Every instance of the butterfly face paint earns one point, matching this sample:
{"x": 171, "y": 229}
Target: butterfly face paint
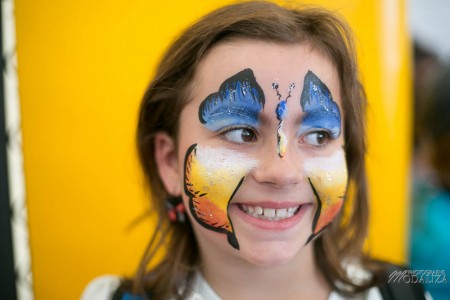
{"x": 327, "y": 176}
{"x": 238, "y": 102}
{"x": 328, "y": 179}
{"x": 213, "y": 176}
{"x": 281, "y": 112}
{"x": 320, "y": 111}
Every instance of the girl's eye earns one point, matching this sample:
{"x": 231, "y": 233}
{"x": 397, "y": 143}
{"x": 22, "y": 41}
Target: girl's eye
{"x": 240, "y": 135}
{"x": 317, "y": 138}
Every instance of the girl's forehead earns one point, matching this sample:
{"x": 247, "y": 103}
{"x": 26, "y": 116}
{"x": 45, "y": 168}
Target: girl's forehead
{"x": 283, "y": 64}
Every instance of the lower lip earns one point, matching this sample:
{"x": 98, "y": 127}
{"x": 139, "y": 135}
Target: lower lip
{"x": 273, "y": 225}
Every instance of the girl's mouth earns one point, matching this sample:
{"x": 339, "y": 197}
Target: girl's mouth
{"x": 270, "y": 214}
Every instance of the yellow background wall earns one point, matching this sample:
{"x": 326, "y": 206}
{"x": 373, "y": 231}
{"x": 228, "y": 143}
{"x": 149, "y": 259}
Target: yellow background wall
{"x": 83, "y": 67}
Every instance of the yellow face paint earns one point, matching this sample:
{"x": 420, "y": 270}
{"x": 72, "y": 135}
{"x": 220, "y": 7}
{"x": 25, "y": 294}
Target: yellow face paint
{"x": 212, "y": 177}
{"x": 328, "y": 179}
{"x": 281, "y": 141}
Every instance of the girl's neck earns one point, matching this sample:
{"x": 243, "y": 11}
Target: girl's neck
{"x": 234, "y": 278}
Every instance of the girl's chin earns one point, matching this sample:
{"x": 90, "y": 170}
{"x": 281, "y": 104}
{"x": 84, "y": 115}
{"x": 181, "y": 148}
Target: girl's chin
{"x": 273, "y": 243}
{"x": 274, "y": 254}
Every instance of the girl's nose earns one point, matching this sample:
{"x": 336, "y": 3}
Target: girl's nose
{"x": 279, "y": 172}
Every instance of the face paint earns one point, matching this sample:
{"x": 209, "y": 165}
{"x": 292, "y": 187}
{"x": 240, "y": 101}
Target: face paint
{"x": 327, "y": 176}
{"x": 212, "y": 177}
{"x": 238, "y": 102}
{"x": 281, "y": 112}
{"x": 328, "y": 179}
{"x": 320, "y": 111}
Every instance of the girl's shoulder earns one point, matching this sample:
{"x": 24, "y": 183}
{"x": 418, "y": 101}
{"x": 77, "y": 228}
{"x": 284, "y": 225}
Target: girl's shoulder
{"x": 107, "y": 287}
{"x": 402, "y": 283}
{"x": 390, "y": 282}
{"x": 371, "y": 294}
{"x": 101, "y": 288}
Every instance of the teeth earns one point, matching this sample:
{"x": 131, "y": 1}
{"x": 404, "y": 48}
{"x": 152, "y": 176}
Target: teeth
{"x": 281, "y": 213}
{"x": 270, "y": 214}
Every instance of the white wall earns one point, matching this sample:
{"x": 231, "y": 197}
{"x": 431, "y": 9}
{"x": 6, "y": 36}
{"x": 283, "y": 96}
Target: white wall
{"x": 430, "y": 25}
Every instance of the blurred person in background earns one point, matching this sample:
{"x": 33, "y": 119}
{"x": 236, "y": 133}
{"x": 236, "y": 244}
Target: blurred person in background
{"x": 430, "y": 237}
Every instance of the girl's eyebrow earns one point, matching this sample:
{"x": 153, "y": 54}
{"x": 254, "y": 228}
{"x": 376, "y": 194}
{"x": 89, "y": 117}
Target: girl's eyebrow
{"x": 240, "y": 92}
{"x": 317, "y": 97}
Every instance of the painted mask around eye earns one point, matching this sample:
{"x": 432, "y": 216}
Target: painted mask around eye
{"x": 213, "y": 176}
{"x": 327, "y": 175}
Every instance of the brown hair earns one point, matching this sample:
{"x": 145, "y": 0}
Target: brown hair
{"x": 165, "y": 98}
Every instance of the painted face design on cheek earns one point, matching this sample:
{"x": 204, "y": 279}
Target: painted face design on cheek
{"x": 328, "y": 179}
{"x": 213, "y": 175}
{"x": 326, "y": 175}
{"x": 282, "y": 112}
{"x": 212, "y": 178}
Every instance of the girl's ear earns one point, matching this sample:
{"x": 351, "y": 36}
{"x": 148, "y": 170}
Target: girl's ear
{"x": 167, "y": 163}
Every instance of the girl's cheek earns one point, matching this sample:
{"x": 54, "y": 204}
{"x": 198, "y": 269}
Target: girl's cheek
{"x": 212, "y": 177}
{"x": 328, "y": 179}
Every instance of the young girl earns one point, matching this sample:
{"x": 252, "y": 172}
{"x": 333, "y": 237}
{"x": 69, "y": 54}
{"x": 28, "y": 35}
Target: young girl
{"x": 252, "y": 137}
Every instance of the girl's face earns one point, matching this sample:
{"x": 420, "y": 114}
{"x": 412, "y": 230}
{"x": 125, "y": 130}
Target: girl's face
{"x": 260, "y": 158}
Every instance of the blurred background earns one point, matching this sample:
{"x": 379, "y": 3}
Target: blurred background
{"x": 72, "y": 196}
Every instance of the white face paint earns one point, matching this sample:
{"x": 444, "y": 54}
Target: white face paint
{"x": 213, "y": 175}
{"x": 225, "y": 160}
{"x": 333, "y": 165}
{"x": 328, "y": 178}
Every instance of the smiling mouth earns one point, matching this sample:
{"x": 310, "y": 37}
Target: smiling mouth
{"x": 270, "y": 214}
